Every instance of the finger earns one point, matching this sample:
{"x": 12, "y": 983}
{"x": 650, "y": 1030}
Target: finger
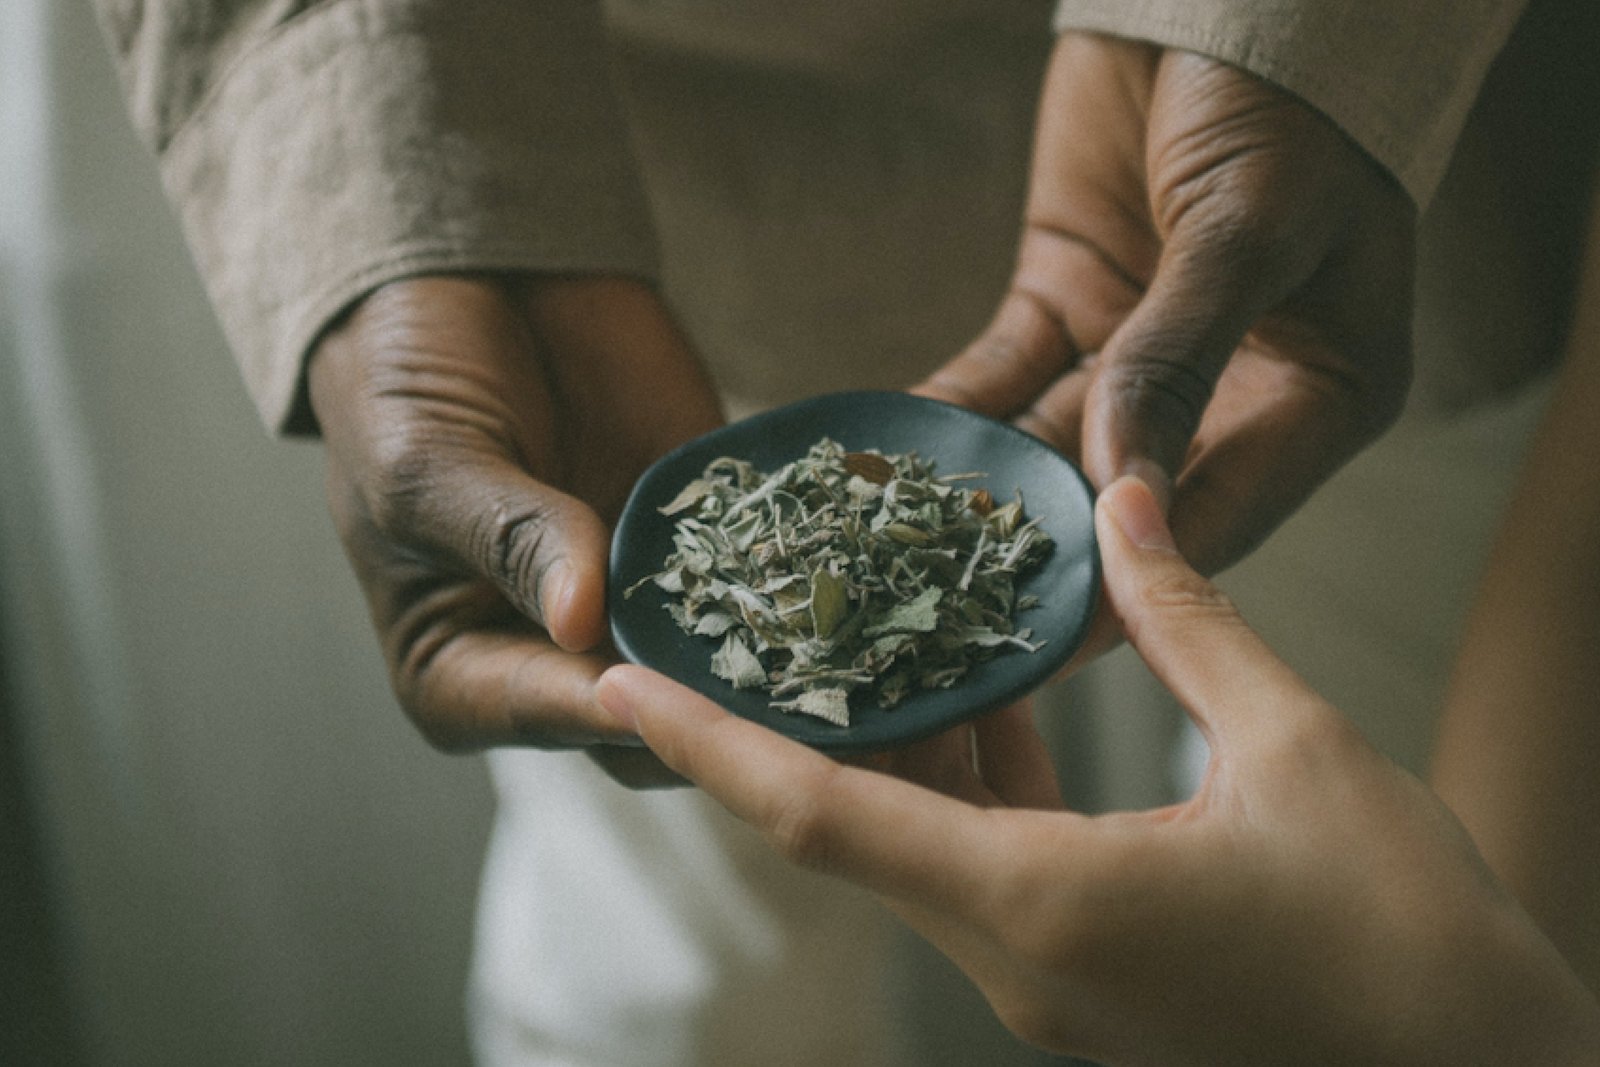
{"x": 1274, "y": 432}
{"x": 544, "y": 550}
{"x": 1013, "y": 760}
{"x": 892, "y": 837}
{"x": 1056, "y": 415}
{"x": 1187, "y": 630}
{"x": 474, "y": 687}
{"x": 1157, "y": 373}
{"x": 435, "y": 411}
{"x": 999, "y": 374}
{"x": 943, "y": 763}
{"x": 635, "y": 767}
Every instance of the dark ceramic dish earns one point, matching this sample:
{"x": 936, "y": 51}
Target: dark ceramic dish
{"x": 956, "y": 440}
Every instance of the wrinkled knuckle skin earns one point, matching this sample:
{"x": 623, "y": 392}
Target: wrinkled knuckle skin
{"x": 1249, "y": 235}
{"x": 419, "y": 647}
{"x": 1187, "y": 595}
{"x": 409, "y": 680}
{"x": 510, "y": 540}
{"x": 397, "y": 494}
{"x": 800, "y": 832}
{"x": 1236, "y": 225}
{"x": 1157, "y": 391}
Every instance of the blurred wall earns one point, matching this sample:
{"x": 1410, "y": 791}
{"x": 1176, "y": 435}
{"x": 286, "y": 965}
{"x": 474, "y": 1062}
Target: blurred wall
{"x": 253, "y": 858}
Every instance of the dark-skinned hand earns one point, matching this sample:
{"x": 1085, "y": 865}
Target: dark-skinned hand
{"x": 481, "y": 435}
{"x": 1213, "y": 291}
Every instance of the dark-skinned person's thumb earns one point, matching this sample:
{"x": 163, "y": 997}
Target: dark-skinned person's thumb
{"x": 1217, "y": 276}
{"x": 544, "y": 550}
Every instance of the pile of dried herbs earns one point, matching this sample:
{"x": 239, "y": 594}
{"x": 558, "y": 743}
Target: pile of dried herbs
{"x": 847, "y": 572}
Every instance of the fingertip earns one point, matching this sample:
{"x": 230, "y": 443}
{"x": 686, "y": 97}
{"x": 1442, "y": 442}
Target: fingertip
{"x": 572, "y": 605}
{"x": 616, "y": 692}
{"x": 1132, "y": 506}
{"x": 940, "y": 386}
{"x": 1155, "y": 478}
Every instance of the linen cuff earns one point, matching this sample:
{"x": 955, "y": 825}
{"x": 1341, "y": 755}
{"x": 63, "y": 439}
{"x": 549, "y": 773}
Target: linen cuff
{"x": 1398, "y": 76}
{"x": 362, "y": 141}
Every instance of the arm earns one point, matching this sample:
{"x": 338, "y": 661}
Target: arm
{"x": 329, "y": 162}
{"x": 314, "y": 151}
{"x": 1518, "y": 755}
{"x": 1312, "y": 903}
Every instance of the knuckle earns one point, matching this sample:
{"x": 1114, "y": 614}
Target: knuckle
{"x": 1187, "y": 595}
{"x": 1008, "y": 357}
{"x": 801, "y": 830}
{"x": 1047, "y": 425}
{"x": 422, "y": 646}
{"x": 511, "y": 538}
{"x": 404, "y": 471}
{"x": 1253, "y": 233}
{"x": 442, "y": 732}
{"x": 1157, "y": 390}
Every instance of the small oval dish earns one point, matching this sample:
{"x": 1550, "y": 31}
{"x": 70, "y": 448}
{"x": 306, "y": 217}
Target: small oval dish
{"x": 956, "y": 440}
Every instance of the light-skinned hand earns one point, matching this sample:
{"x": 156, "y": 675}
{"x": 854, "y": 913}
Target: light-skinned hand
{"x": 481, "y": 434}
{"x": 1311, "y": 903}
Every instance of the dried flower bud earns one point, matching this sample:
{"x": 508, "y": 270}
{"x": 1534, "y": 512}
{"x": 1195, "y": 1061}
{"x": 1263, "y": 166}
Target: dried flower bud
{"x": 870, "y": 466}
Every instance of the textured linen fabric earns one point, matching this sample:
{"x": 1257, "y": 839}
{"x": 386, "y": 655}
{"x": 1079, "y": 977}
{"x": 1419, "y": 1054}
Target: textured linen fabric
{"x": 317, "y": 150}
{"x": 1399, "y": 76}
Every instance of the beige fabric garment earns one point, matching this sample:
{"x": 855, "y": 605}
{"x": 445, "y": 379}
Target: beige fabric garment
{"x": 1398, "y": 75}
{"x": 316, "y": 150}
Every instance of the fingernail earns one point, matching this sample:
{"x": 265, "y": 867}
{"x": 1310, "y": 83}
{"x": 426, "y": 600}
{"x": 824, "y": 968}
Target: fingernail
{"x": 1132, "y": 505}
{"x": 612, "y": 693}
{"x": 1154, "y": 477}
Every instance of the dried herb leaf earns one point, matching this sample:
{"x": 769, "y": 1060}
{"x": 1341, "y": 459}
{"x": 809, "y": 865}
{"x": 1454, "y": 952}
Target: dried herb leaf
{"x": 735, "y": 663}
{"x": 830, "y": 703}
{"x": 847, "y": 575}
{"x": 830, "y": 602}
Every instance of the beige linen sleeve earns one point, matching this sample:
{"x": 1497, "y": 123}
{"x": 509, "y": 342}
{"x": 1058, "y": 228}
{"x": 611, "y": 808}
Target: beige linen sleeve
{"x": 315, "y": 150}
{"x": 1398, "y": 76}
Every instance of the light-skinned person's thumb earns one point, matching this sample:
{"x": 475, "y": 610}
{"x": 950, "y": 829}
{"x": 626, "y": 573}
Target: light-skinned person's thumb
{"x": 1184, "y": 627}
